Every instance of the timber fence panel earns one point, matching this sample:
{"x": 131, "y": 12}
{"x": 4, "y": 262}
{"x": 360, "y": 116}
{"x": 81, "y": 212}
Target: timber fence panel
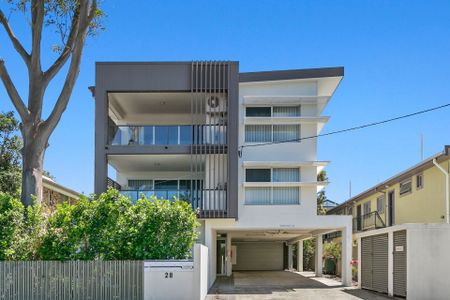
{"x": 71, "y": 280}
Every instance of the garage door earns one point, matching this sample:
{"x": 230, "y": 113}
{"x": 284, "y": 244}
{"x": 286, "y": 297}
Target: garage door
{"x": 374, "y": 263}
{"x": 400, "y": 263}
{"x": 258, "y": 256}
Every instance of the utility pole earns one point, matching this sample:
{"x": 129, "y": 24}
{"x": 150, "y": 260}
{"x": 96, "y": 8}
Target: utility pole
{"x": 349, "y": 189}
{"x": 421, "y": 146}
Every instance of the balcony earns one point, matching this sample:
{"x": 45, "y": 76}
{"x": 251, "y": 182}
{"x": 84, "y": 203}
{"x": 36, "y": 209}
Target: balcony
{"x": 209, "y": 202}
{"x": 368, "y": 222}
{"x": 169, "y": 135}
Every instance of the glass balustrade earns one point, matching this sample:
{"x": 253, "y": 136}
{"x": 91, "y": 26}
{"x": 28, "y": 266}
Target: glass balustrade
{"x": 168, "y": 135}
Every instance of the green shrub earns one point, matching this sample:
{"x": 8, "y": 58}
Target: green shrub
{"x": 111, "y": 227}
{"x": 11, "y": 223}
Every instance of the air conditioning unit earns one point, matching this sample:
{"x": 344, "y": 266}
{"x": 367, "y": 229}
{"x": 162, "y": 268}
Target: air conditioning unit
{"x": 215, "y": 103}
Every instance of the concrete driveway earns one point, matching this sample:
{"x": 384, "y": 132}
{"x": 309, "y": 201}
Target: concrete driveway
{"x": 284, "y": 285}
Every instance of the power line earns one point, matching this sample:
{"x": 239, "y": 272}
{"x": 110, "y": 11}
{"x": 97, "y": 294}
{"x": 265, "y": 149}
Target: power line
{"x": 347, "y": 129}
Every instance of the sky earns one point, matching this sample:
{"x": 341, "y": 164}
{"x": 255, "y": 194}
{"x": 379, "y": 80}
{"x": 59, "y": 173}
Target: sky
{"x": 396, "y": 56}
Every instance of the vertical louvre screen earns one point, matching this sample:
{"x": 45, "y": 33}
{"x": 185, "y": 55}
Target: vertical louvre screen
{"x": 258, "y": 196}
{"x": 286, "y": 132}
{"x": 285, "y": 195}
{"x": 286, "y": 111}
{"x": 258, "y": 133}
{"x": 286, "y": 175}
{"x": 210, "y": 82}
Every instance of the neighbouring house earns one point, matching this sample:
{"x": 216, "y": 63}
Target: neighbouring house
{"x": 230, "y": 144}
{"x": 416, "y": 195}
{"x": 54, "y": 193}
{"x": 397, "y": 221}
{"x": 329, "y": 204}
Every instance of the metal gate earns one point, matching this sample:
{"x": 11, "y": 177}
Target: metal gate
{"x": 374, "y": 263}
{"x": 399, "y": 263}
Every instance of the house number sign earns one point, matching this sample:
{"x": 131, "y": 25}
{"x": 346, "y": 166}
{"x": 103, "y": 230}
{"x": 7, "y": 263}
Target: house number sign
{"x": 168, "y": 275}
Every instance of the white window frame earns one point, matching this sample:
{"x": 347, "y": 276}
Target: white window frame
{"x": 421, "y": 181}
{"x": 369, "y": 205}
{"x": 409, "y": 180}
{"x": 381, "y": 207}
{"x": 271, "y": 133}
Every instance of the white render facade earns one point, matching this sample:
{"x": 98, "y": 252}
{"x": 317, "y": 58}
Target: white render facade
{"x": 257, "y": 170}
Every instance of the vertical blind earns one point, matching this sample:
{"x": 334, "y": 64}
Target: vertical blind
{"x": 272, "y": 196}
{"x": 258, "y": 196}
{"x": 286, "y": 111}
{"x": 285, "y": 195}
{"x": 269, "y": 133}
{"x": 286, "y": 175}
{"x": 258, "y": 133}
{"x": 286, "y": 132}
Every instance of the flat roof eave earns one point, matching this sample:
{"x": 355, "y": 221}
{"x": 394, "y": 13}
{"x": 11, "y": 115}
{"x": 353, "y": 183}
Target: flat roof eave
{"x": 291, "y": 74}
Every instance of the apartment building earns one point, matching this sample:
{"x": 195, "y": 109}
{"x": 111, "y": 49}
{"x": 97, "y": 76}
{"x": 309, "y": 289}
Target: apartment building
{"x": 232, "y": 144}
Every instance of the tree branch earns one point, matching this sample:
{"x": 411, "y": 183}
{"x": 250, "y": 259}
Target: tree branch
{"x": 12, "y": 92}
{"x": 17, "y": 45}
{"x": 37, "y": 21}
{"x": 86, "y": 16}
{"x": 62, "y": 59}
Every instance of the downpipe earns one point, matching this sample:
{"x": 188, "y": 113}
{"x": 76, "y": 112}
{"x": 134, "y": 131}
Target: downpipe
{"x": 447, "y": 190}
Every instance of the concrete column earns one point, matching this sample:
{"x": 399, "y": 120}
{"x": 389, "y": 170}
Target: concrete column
{"x": 390, "y": 263}
{"x": 318, "y": 255}
{"x": 300, "y": 256}
{"x": 346, "y": 256}
{"x": 290, "y": 257}
{"x": 210, "y": 242}
{"x": 229, "y": 265}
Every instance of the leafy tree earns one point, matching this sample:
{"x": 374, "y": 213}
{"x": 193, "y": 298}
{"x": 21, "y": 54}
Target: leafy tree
{"x": 72, "y": 21}
{"x": 10, "y": 158}
{"x": 321, "y": 196}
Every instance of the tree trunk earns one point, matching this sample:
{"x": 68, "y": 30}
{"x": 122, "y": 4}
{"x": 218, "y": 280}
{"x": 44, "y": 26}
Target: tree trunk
{"x": 33, "y": 161}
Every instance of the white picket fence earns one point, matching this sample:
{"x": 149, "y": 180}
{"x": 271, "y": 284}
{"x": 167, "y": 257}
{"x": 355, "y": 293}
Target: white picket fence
{"x": 71, "y": 280}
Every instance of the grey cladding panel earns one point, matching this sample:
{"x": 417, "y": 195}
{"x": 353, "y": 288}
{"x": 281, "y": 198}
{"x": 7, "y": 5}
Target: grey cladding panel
{"x": 400, "y": 256}
{"x": 259, "y": 256}
{"x": 374, "y": 263}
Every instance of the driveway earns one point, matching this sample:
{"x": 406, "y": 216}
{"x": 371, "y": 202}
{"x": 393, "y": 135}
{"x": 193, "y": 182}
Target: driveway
{"x": 284, "y": 285}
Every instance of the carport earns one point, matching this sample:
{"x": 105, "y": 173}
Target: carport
{"x": 265, "y": 250}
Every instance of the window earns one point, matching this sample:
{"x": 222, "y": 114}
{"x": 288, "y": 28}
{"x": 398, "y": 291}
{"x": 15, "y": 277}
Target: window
{"x": 419, "y": 181}
{"x": 269, "y": 133}
{"x": 286, "y": 175}
{"x": 258, "y": 111}
{"x": 405, "y": 187}
{"x": 258, "y": 133}
{"x": 272, "y": 196}
{"x": 380, "y": 204}
{"x": 140, "y": 184}
{"x": 257, "y": 175}
{"x": 286, "y": 111}
{"x": 366, "y": 208}
{"x": 166, "y": 135}
{"x": 350, "y": 210}
{"x": 286, "y": 133}
{"x": 185, "y": 135}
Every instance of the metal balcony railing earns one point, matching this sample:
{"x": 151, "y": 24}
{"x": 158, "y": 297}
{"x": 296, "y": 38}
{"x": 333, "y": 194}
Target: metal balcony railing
{"x": 367, "y": 222}
{"x": 169, "y": 135}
